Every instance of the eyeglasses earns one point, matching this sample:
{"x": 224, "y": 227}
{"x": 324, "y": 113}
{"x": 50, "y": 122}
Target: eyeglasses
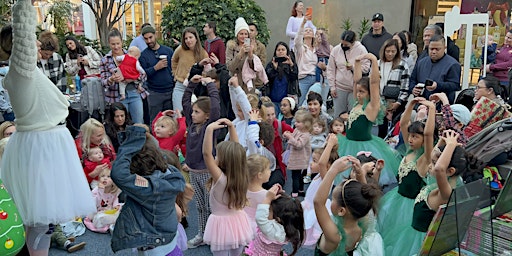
{"x": 480, "y": 87}
{"x": 157, "y": 55}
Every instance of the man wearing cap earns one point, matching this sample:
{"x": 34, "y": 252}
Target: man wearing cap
{"x": 455, "y": 117}
{"x": 374, "y": 40}
{"x": 156, "y": 61}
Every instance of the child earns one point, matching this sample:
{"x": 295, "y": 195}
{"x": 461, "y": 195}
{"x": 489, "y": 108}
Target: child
{"x": 148, "y": 218}
{"x": 199, "y": 115}
{"x": 322, "y": 160}
{"x": 259, "y": 136}
{"x": 323, "y": 51}
{"x": 337, "y": 126}
{"x": 396, "y": 207}
{"x": 366, "y": 112}
{"x": 300, "y": 150}
{"x": 452, "y": 162}
{"x": 259, "y": 173}
{"x": 280, "y": 220}
{"x": 94, "y": 165}
{"x": 318, "y": 136}
{"x": 92, "y": 134}
{"x": 169, "y": 131}
{"x": 228, "y": 229}
{"x": 130, "y": 67}
{"x": 241, "y": 107}
{"x": 288, "y": 110}
{"x": 65, "y": 243}
{"x": 107, "y": 202}
{"x": 351, "y": 201}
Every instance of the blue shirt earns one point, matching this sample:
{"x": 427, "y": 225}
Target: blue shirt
{"x": 139, "y": 42}
{"x": 158, "y": 80}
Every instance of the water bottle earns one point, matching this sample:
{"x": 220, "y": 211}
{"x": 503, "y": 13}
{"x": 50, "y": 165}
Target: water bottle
{"x": 77, "y": 83}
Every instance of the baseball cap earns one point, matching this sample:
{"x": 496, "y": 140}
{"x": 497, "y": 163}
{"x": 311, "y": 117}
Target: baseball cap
{"x": 378, "y": 16}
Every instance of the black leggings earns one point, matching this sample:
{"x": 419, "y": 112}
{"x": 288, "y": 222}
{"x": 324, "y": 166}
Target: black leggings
{"x": 297, "y": 180}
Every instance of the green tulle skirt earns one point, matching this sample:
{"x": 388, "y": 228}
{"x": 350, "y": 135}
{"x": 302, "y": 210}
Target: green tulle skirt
{"x": 379, "y": 149}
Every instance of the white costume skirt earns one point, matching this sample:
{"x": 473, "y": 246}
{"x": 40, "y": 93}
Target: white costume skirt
{"x": 42, "y": 172}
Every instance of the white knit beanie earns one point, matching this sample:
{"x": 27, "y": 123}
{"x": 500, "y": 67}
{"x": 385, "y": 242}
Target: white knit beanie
{"x": 240, "y": 24}
{"x": 292, "y": 102}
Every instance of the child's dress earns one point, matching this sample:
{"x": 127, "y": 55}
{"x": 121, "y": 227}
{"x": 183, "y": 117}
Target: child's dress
{"x": 271, "y": 236}
{"x": 107, "y": 214}
{"x": 311, "y": 226}
{"x": 359, "y": 138}
{"x": 254, "y": 198}
{"x": 226, "y": 228}
{"x": 396, "y": 206}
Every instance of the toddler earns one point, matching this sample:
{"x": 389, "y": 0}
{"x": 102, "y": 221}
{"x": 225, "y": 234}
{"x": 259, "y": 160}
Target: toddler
{"x": 318, "y": 136}
{"x": 94, "y": 164}
{"x": 337, "y": 126}
{"x": 259, "y": 173}
{"x": 287, "y": 111}
{"x": 323, "y": 51}
{"x": 280, "y": 220}
{"x": 107, "y": 203}
{"x": 130, "y": 68}
{"x": 169, "y": 128}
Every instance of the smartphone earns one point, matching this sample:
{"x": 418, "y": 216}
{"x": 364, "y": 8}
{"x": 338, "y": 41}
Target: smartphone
{"x": 421, "y": 86}
{"x": 280, "y": 59}
{"x": 247, "y": 41}
{"x": 309, "y": 11}
{"x": 429, "y": 82}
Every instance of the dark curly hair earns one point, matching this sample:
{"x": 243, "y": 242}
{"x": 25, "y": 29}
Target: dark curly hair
{"x": 149, "y": 159}
{"x": 288, "y": 212}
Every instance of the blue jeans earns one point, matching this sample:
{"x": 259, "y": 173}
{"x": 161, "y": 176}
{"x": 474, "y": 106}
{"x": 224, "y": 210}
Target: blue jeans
{"x": 133, "y": 102}
{"x": 177, "y": 96}
{"x": 304, "y": 85}
{"x": 318, "y": 73}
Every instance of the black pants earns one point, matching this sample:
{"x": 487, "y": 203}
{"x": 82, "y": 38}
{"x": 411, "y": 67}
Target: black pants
{"x": 275, "y": 177}
{"x": 297, "y": 180}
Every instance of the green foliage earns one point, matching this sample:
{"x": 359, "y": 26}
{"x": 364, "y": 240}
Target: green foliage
{"x": 346, "y": 24}
{"x": 179, "y": 14}
{"x": 61, "y": 11}
{"x": 364, "y": 27}
{"x": 5, "y": 12}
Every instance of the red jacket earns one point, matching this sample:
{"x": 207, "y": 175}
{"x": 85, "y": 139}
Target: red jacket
{"x": 277, "y": 147}
{"x": 172, "y": 143}
{"x": 108, "y": 150}
{"x": 90, "y": 166}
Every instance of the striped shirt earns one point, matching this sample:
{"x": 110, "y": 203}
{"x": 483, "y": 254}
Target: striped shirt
{"x": 54, "y": 70}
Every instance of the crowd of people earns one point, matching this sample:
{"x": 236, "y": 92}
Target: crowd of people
{"x": 223, "y": 125}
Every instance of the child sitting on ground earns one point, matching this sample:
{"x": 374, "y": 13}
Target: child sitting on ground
{"x": 107, "y": 203}
{"x": 169, "y": 128}
{"x": 94, "y": 165}
{"x": 130, "y": 68}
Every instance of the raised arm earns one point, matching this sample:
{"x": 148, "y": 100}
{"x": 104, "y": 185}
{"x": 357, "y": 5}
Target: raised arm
{"x": 373, "y": 108}
{"x": 332, "y": 141}
{"x": 428, "y": 138}
{"x": 209, "y": 160}
{"x": 331, "y": 237}
{"x": 24, "y": 51}
{"x": 238, "y": 98}
{"x": 405, "y": 120}
{"x": 441, "y": 167}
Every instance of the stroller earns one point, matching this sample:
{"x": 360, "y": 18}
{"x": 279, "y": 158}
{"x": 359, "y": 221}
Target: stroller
{"x": 491, "y": 141}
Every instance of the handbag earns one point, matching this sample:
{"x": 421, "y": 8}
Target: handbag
{"x": 391, "y": 92}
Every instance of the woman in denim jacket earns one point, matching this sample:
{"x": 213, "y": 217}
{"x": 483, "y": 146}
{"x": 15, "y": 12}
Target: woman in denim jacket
{"x": 148, "y": 218}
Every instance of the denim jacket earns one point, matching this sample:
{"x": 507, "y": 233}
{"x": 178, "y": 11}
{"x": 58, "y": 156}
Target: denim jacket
{"x": 148, "y": 217}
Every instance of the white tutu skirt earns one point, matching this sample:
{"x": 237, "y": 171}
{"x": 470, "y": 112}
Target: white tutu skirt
{"x": 42, "y": 172}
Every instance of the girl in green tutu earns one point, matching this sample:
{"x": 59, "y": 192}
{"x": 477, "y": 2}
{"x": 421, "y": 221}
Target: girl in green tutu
{"x": 367, "y": 111}
{"x": 396, "y": 207}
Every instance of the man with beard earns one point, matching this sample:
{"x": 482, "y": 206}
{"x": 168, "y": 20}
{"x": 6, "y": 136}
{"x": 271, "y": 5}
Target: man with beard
{"x": 156, "y": 60}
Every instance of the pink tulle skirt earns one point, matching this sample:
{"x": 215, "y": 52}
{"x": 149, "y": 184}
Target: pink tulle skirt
{"x": 228, "y": 232}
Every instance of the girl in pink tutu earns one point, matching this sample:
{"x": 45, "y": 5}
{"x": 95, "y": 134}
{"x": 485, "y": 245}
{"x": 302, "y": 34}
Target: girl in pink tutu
{"x": 227, "y": 230}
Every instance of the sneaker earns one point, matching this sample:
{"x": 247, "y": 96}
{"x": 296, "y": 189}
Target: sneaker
{"x": 195, "y": 242}
{"x": 73, "y": 247}
{"x": 307, "y": 179}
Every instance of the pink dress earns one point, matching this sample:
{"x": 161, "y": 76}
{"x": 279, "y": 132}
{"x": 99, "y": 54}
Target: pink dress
{"x": 262, "y": 246}
{"x": 226, "y": 228}
{"x": 254, "y": 199}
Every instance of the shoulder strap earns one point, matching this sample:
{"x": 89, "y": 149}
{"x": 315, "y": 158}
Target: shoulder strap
{"x": 280, "y": 128}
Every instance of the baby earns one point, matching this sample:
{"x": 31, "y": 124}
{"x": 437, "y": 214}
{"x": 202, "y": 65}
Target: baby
{"x": 94, "y": 164}
{"x": 130, "y": 68}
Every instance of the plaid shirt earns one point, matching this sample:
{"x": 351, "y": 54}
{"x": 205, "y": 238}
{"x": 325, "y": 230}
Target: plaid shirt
{"x": 107, "y": 68}
{"x": 54, "y": 70}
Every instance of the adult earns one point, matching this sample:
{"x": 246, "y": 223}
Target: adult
{"x": 117, "y": 118}
{"x": 401, "y": 38}
{"x": 156, "y": 61}
{"x": 110, "y": 78}
{"x": 295, "y": 21}
{"x": 501, "y": 66}
{"x": 51, "y": 62}
{"x": 306, "y": 58}
{"x": 451, "y": 48}
{"x": 189, "y": 52}
{"x": 412, "y": 48}
{"x": 81, "y": 60}
{"x": 259, "y": 48}
{"x": 394, "y": 84}
{"x": 138, "y": 41}
{"x": 428, "y": 32}
{"x": 241, "y": 58}
{"x": 340, "y": 70}
{"x": 441, "y": 71}
{"x": 279, "y": 175}
{"x": 5, "y": 102}
{"x": 377, "y": 35}
{"x": 46, "y": 181}
{"x": 7, "y": 128}
{"x": 213, "y": 43}
{"x": 489, "y": 87}
{"x": 282, "y": 73}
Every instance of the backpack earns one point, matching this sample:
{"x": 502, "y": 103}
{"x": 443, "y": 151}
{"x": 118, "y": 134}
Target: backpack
{"x": 93, "y": 95}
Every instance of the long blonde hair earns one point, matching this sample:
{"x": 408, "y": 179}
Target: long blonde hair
{"x": 86, "y": 131}
{"x": 233, "y": 163}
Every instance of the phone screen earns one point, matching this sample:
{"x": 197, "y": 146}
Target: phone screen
{"x": 280, "y": 59}
{"x": 429, "y": 82}
{"x": 309, "y": 11}
{"x": 247, "y": 41}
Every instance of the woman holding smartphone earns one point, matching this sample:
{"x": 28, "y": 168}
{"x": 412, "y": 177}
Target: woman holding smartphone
{"x": 282, "y": 74}
{"x": 80, "y": 59}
